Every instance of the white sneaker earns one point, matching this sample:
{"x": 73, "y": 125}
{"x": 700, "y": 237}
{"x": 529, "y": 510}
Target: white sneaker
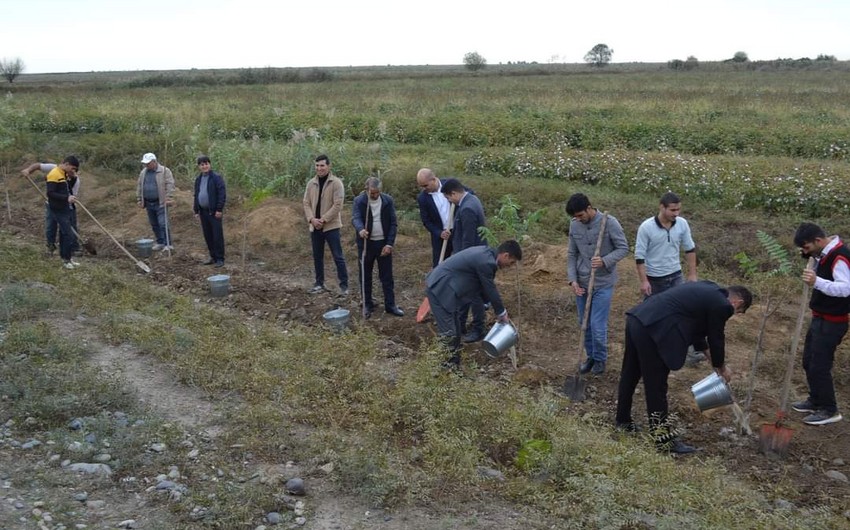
{"x": 157, "y": 246}
{"x": 68, "y": 265}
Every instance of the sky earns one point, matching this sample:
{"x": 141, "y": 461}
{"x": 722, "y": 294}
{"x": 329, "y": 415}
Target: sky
{"x": 107, "y": 35}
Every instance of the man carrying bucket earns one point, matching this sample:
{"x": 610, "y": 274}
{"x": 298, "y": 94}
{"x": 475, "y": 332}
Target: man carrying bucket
{"x": 658, "y": 333}
{"x": 830, "y": 304}
{"x": 466, "y": 276}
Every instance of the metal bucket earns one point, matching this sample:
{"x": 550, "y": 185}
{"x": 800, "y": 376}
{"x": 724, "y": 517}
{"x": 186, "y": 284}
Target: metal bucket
{"x": 337, "y": 319}
{"x": 712, "y": 392}
{"x": 144, "y": 248}
{"x": 219, "y": 285}
{"x": 499, "y": 339}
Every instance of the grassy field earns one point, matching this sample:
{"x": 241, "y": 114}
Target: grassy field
{"x": 753, "y": 148}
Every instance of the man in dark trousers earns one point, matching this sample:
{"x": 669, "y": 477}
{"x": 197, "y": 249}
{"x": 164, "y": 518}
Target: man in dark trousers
{"x": 830, "y": 304}
{"x": 658, "y": 333}
{"x": 434, "y": 211}
{"x": 467, "y": 275}
{"x": 374, "y": 220}
{"x": 210, "y": 197}
{"x": 469, "y": 216}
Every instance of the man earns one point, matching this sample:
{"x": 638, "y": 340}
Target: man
{"x": 830, "y": 305}
{"x": 434, "y": 211}
{"x": 658, "y": 333}
{"x": 659, "y": 241}
{"x": 50, "y": 224}
{"x": 154, "y": 192}
{"x": 584, "y": 233}
{"x": 469, "y": 216}
{"x": 323, "y": 209}
{"x": 374, "y": 220}
{"x": 467, "y": 275}
{"x": 60, "y": 200}
{"x": 210, "y": 197}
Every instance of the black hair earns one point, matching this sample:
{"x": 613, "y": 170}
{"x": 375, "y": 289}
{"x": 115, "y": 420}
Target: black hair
{"x": 669, "y": 198}
{"x": 451, "y": 186}
{"x": 744, "y": 294}
{"x": 204, "y": 158}
{"x": 72, "y": 160}
{"x": 323, "y": 157}
{"x": 512, "y": 248}
{"x": 807, "y": 233}
{"x": 578, "y": 202}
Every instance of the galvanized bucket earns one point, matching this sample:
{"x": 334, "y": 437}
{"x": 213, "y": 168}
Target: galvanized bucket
{"x": 712, "y": 392}
{"x": 499, "y": 339}
{"x": 219, "y": 285}
{"x": 144, "y": 247}
{"x": 337, "y": 319}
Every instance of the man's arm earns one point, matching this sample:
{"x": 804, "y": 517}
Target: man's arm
{"x": 338, "y": 197}
{"x": 392, "y": 230}
{"x": 840, "y": 284}
{"x": 169, "y": 184}
{"x": 618, "y": 240}
{"x": 357, "y": 220}
{"x": 435, "y": 228}
{"x": 641, "y": 243}
{"x": 470, "y": 223}
{"x": 691, "y": 260}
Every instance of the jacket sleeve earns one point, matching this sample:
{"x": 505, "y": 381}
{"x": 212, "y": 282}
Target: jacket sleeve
{"x": 641, "y": 241}
{"x": 618, "y": 240}
{"x": 391, "y": 230}
{"x": 195, "y": 206}
{"x": 139, "y": 185}
{"x": 487, "y": 276}
{"x": 169, "y": 183}
{"x": 572, "y": 258}
{"x": 357, "y": 219}
{"x": 424, "y": 208}
{"x": 308, "y": 207}
{"x": 221, "y": 190}
{"x": 469, "y": 220}
{"x": 718, "y": 314}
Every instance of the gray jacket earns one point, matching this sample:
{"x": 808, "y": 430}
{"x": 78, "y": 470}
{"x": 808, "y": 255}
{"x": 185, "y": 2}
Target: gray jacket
{"x": 582, "y": 246}
{"x": 465, "y": 276}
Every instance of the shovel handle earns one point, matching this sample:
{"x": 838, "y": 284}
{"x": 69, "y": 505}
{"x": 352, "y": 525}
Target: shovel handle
{"x": 589, "y": 292}
{"x": 138, "y": 263}
{"x": 795, "y": 342}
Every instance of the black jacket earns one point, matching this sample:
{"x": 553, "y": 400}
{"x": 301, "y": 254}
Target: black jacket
{"x": 216, "y": 190}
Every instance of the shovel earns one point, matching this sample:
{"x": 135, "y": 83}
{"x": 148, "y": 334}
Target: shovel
{"x": 87, "y": 244}
{"x": 139, "y": 264}
{"x": 774, "y": 438}
{"x": 363, "y": 311}
{"x": 425, "y": 306}
{"x": 575, "y": 384}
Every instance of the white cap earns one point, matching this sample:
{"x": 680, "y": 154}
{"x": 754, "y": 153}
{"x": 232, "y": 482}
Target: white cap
{"x": 148, "y": 158}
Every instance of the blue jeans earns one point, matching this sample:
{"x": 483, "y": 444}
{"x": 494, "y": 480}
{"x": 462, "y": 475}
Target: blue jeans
{"x": 156, "y": 217}
{"x": 596, "y": 335}
{"x": 318, "y": 239}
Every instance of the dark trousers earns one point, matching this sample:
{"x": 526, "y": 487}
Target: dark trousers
{"x": 447, "y": 318}
{"x": 476, "y": 307}
{"x": 66, "y": 236}
{"x": 156, "y": 217}
{"x": 663, "y": 283}
{"x": 818, "y": 355}
{"x": 51, "y": 228}
{"x": 332, "y": 237}
{"x": 385, "y": 273}
{"x": 437, "y": 249}
{"x": 641, "y": 360}
{"x": 213, "y": 233}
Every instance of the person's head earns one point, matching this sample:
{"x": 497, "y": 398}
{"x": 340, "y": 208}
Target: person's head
{"x": 427, "y": 180}
{"x": 373, "y": 187}
{"x": 740, "y": 297}
{"x": 669, "y": 207}
{"x": 811, "y": 239}
{"x": 204, "y": 164}
{"x": 508, "y": 254}
{"x": 70, "y": 165}
{"x": 579, "y": 208}
{"x": 323, "y": 166}
{"x": 453, "y": 190}
{"x": 149, "y": 161}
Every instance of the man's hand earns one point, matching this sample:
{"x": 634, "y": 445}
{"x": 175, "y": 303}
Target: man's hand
{"x": 218, "y": 215}
{"x": 724, "y": 372}
{"x": 141, "y": 204}
{"x": 809, "y": 277}
{"x": 386, "y": 251}
{"x": 72, "y": 199}
{"x": 363, "y": 233}
{"x": 169, "y": 202}
{"x": 445, "y": 234}
{"x": 596, "y": 262}
{"x": 646, "y": 288}
{"x": 503, "y": 318}
{"x": 578, "y": 290}
{"x": 317, "y": 223}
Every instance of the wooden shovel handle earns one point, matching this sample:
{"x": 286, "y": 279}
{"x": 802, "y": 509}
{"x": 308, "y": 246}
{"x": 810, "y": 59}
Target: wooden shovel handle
{"x": 589, "y": 291}
{"x": 795, "y": 342}
{"x": 138, "y": 263}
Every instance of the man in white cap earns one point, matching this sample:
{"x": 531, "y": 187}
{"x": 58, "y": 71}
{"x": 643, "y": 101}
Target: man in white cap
{"x": 154, "y": 193}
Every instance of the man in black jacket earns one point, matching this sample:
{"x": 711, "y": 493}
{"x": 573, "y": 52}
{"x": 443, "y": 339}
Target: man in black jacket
{"x": 210, "y": 197}
{"x": 658, "y": 333}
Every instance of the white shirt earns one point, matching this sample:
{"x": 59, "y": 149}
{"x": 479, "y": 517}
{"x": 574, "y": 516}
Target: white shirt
{"x": 839, "y": 287}
{"x": 443, "y": 206}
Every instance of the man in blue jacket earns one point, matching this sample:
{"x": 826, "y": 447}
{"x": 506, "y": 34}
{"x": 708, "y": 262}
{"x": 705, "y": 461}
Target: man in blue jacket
{"x": 374, "y": 220}
{"x": 210, "y": 196}
{"x": 467, "y": 275}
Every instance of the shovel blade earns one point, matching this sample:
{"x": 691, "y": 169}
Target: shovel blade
{"x": 90, "y": 248}
{"x": 424, "y": 310}
{"x": 574, "y": 388}
{"x": 774, "y": 439}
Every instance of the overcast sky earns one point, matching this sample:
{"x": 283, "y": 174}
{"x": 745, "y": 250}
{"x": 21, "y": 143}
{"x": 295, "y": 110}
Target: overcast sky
{"x": 101, "y": 35}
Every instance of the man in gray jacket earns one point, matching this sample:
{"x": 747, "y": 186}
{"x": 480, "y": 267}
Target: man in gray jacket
{"x": 581, "y": 260}
{"x": 468, "y": 275}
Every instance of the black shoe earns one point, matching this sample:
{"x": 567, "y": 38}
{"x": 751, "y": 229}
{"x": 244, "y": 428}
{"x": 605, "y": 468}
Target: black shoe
{"x": 367, "y": 314}
{"x": 631, "y": 427}
{"x": 219, "y": 264}
{"x": 209, "y": 261}
{"x": 473, "y": 336}
{"x": 586, "y": 366}
{"x": 804, "y": 406}
{"x": 677, "y": 447}
{"x": 598, "y": 368}
{"x": 395, "y": 310}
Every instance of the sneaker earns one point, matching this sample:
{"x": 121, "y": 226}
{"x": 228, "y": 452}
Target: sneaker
{"x": 68, "y": 265}
{"x": 630, "y": 427}
{"x": 343, "y": 291}
{"x": 822, "y": 417}
{"x": 73, "y": 262}
{"x": 804, "y": 406}
{"x": 598, "y": 368}
{"x": 209, "y": 261}
{"x": 693, "y": 358}
{"x": 317, "y": 289}
{"x": 219, "y": 263}
{"x": 157, "y": 246}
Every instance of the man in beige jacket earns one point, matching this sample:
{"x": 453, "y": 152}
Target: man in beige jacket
{"x": 154, "y": 192}
{"x": 323, "y": 209}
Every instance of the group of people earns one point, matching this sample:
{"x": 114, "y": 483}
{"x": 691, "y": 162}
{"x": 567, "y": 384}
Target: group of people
{"x": 677, "y": 322}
